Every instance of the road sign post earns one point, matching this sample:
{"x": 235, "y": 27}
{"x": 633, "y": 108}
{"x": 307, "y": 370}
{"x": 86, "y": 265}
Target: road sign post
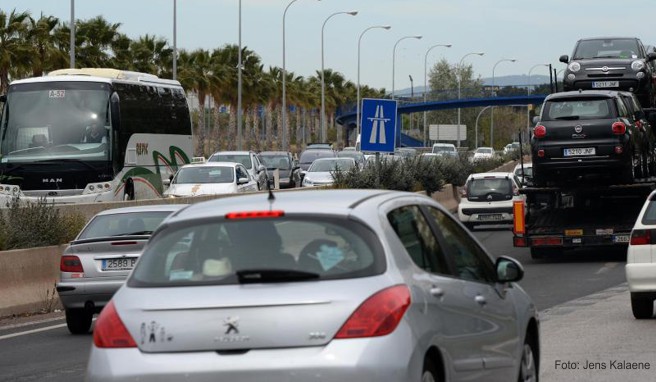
{"x": 378, "y": 125}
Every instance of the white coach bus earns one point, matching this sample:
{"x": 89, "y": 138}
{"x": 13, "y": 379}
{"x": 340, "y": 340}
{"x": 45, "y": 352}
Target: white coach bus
{"x": 92, "y": 135}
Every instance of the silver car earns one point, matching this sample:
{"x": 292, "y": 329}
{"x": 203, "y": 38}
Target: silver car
{"x": 329, "y": 285}
{"x": 98, "y": 261}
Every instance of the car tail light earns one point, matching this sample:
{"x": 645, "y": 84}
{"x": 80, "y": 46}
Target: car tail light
{"x": 515, "y": 191}
{"x": 379, "y": 315}
{"x": 520, "y": 242}
{"x": 619, "y": 128}
{"x": 641, "y": 237}
{"x": 541, "y": 153}
{"x": 110, "y": 332}
{"x": 618, "y": 150}
{"x": 255, "y": 214}
{"x": 71, "y": 264}
{"x": 638, "y": 124}
{"x": 540, "y": 131}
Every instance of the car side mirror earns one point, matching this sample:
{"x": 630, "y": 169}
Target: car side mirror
{"x": 564, "y": 59}
{"x": 261, "y": 168}
{"x": 242, "y": 180}
{"x": 535, "y": 120}
{"x": 651, "y": 56}
{"x": 166, "y": 182}
{"x": 508, "y": 270}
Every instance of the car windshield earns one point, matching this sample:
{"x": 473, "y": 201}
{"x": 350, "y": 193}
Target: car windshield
{"x": 485, "y": 186}
{"x": 214, "y": 174}
{"x": 276, "y": 161}
{"x": 607, "y": 48}
{"x": 244, "y": 159}
{"x": 484, "y": 150}
{"x": 573, "y": 109}
{"x": 443, "y": 149}
{"x": 332, "y": 165}
{"x": 224, "y": 252}
{"x": 121, "y": 224}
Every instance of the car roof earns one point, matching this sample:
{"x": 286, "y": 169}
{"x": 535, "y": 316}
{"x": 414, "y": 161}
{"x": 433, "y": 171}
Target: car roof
{"x": 211, "y": 164}
{"x": 583, "y": 94}
{"x": 152, "y": 208}
{"x": 240, "y": 152}
{"x": 609, "y": 38}
{"x": 275, "y": 153}
{"x": 483, "y": 175}
{"x": 333, "y": 202}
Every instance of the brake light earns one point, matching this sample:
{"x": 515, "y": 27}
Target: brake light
{"x": 619, "y": 128}
{"x": 379, "y": 315}
{"x": 618, "y": 150}
{"x": 641, "y": 237}
{"x": 541, "y": 153}
{"x": 71, "y": 264}
{"x": 110, "y": 332}
{"x": 255, "y": 214}
{"x": 540, "y": 131}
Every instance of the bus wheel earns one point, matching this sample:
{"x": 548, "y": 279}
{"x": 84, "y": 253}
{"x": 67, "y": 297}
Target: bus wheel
{"x": 128, "y": 194}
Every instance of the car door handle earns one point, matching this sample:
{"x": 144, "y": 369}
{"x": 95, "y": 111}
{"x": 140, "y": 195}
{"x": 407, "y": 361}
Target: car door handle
{"x": 437, "y": 292}
{"x": 480, "y": 300}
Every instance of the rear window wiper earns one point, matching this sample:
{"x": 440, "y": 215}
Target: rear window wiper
{"x": 569, "y": 117}
{"x": 250, "y": 276}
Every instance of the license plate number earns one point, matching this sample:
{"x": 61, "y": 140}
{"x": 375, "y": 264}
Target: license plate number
{"x": 605, "y": 84}
{"x": 121, "y": 264}
{"x": 621, "y": 239}
{"x": 490, "y": 217}
{"x": 580, "y": 152}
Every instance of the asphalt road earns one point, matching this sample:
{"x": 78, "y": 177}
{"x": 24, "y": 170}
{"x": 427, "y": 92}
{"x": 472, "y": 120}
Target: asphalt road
{"x": 27, "y": 354}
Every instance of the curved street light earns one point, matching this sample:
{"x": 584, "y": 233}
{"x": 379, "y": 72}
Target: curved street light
{"x": 418, "y": 37}
{"x": 426, "y": 83}
{"x": 357, "y": 122}
{"x": 323, "y": 84}
{"x": 495, "y": 94}
{"x": 459, "y": 79}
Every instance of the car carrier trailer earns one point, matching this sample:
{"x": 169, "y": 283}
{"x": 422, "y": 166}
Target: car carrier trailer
{"x": 554, "y": 219}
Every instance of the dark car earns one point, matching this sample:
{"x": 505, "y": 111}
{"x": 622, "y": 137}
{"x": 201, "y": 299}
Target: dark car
{"x": 309, "y": 155}
{"x": 619, "y": 63}
{"x": 289, "y": 171}
{"x": 591, "y": 135}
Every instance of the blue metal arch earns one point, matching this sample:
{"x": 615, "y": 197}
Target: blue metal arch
{"x": 348, "y": 119}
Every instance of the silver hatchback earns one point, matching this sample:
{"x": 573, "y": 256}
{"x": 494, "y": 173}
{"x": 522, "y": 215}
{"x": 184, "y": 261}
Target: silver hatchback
{"x": 329, "y": 285}
{"x": 98, "y": 261}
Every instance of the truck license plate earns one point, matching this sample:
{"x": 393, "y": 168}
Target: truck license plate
{"x": 120, "y": 264}
{"x": 605, "y": 84}
{"x": 579, "y": 151}
{"x": 620, "y": 238}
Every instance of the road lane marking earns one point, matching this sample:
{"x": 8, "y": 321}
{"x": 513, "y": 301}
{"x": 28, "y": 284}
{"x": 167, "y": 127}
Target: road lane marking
{"x": 31, "y": 331}
{"x": 607, "y": 267}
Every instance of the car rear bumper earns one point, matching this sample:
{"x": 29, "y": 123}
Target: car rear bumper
{"x": 638, "y": 86}
{"x": 76, "y": 294}
{"x": 641, "y": 277}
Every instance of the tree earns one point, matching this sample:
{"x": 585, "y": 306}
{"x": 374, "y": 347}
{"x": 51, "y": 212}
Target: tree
{"x": 94, "y": 39}
{"x": 14, "y": 47}
{"x": 44, "y": 43}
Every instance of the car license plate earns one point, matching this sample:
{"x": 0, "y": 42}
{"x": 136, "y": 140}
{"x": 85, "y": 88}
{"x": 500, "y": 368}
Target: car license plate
{"x": 490, "y": 217}
{"x": 580, "y": 152}
{"x": 621, "y": 238}
{"x": 118, "y": 264}
{"x": 605, "y": 84}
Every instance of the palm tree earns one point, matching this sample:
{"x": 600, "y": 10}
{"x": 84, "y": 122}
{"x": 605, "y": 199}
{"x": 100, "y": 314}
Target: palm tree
{"x": 43, "y": 40}
{"x": 152, "y": 55}
{"x": 94, "y": 39}
{"x": 14, "y": 49}
{"x": 122, "y": 54}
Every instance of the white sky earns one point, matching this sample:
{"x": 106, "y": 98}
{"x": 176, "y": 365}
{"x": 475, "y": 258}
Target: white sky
{"x": 531, "y": 31}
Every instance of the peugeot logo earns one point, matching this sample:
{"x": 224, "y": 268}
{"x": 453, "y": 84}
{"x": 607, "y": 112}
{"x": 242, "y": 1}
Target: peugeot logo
{"x": 231, "y": 324}
{"x": 604, "y": 69}
{"x": 578, "y": 129}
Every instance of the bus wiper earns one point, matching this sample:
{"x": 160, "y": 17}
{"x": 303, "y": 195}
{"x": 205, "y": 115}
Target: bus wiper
{"x": 251, "y": 276}
{"x": 69, "y": 160}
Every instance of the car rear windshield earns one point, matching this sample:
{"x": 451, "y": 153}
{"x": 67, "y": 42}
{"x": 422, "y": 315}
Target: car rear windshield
{"x": 123, "y": 224}
{"x": 487, "y": 186}
{"x": 344, "y": 164}
{"x": 444, "y": 149}
{"x": 223, "y": 251}
{"x": 239, "y": 158}
{"x": 196, "y": 175}
{"x": 309, "y": 156}
{"x": 276, "y": 161}
{"x": 607, "y": 48}
{"x": 574, "y": 109}
{"x": 649, "y": 218}
{"x": 528, "y": 171}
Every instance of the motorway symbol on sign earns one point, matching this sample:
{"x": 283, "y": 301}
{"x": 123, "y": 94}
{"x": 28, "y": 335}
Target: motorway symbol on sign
{"x": 378, "y": 122}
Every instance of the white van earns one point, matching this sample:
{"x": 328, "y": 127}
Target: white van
{"x": 445, "y": 149}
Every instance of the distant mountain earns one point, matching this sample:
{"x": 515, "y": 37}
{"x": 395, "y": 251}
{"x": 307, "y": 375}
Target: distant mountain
{"x": 514, "y": 80}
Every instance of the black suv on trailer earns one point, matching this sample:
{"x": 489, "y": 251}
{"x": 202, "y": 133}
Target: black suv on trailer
{"x": 591, "y": 135}
{"x": 617, "y": 63}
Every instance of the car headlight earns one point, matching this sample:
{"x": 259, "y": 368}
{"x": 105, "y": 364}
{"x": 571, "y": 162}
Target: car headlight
{"x": 571, "y": 77}
{"x": 637, "y": 65}
{"x": 574, "y": 67}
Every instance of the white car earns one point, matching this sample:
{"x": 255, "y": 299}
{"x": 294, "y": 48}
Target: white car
{"x": 488, "y": 198}
{"x": 249, "y": 159}
{"x": 321, "y": 171}
{"x": 640, "y": 263}
{"x": 483, "y": 153}
{"x": 209, "y": 179}
{"x": 445, "y": 149}
{"x": 524, "y": 173}
{"x": 510, "y": 147}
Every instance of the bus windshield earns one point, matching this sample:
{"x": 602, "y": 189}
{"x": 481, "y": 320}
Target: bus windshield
{"x": 56, "y": 120}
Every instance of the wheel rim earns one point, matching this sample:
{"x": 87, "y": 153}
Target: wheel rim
{"x": 427, "y": 377}
{"x": 528, "y": 371}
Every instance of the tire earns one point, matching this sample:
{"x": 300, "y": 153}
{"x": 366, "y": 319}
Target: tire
{"x": 78, "y": 321}
{"x": 641, "y": 307}
{"x": 128, "y": 193}
{"x": 430, "y": 372}
{"x": 528, "y": 366}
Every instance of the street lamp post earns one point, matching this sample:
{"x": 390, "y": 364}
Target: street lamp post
{"x": 418, "y": 37}
{"x": 323, "y": 84}
{"x": 426, "y": 84}
{"x": 175, "y": 45}
{"x": 239, "y": 69}
{"x": 357, "y": 122}
{"x": 495, "y": 94}
{"x": 476, "y": 125}
{"x": 412, "y": 96}
{"x": 459, "y": 79}
{"x": 528, "y": 92}
{"x": 72, "y": 27}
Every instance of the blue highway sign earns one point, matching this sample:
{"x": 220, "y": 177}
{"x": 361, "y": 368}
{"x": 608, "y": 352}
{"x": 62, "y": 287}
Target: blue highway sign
{"x": 378, "y": 125}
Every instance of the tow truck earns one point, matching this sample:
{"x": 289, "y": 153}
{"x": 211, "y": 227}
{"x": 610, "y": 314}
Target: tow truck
{"x": 582, "y": 215}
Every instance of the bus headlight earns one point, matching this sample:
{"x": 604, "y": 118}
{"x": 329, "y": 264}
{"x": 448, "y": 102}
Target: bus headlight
{"x": 98, "y": 188}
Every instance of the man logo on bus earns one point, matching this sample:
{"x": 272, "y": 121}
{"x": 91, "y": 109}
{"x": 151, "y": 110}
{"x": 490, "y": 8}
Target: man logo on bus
{"x": 142, "y": 148}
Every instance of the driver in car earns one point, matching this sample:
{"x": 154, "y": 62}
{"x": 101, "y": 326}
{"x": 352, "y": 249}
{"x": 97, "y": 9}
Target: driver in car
{"x": 95, "y": 134}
